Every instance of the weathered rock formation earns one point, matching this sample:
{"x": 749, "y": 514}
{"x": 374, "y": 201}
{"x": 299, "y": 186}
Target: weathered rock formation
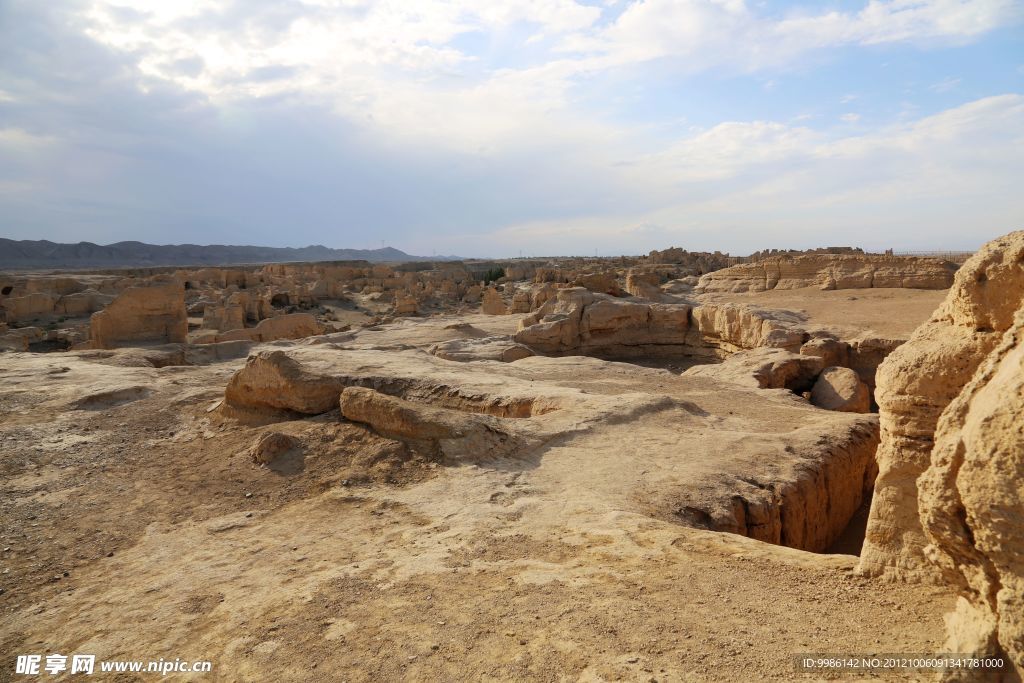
{"x": 917, "y": 381}
{"x": 578, "y": 321}
{"x": 971, "y": 503}
{"x": 290, "y": 326}
{"x": 831, "y": 271}
{"x": 698, "y": 262}
{"x": 440, "y": 432}
{"x": 271, "y": 446}
{"x": 602, "y": 283}
{"x": 502, "y": 349}
{"x": 141, "y": 315}
{"x": 839, "y": 388}
{"x": 492, "y": 303}
{"x": 949, "y": 503}
{"x": 726, "y": 328}
{"x": 764, "y": 368}
{"x": 712, "y": 474}
{"x": 644, "y": 284}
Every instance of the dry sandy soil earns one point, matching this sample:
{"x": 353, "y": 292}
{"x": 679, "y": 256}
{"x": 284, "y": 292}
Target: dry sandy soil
{"x": 136, "y": 526}
{"x": 889, "y": 313}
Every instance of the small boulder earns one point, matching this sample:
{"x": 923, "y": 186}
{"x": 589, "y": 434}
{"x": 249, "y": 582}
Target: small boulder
{"x": 271, "y": 446}
{"x": 841, "y": 389}
{"x": 831, "y": 351}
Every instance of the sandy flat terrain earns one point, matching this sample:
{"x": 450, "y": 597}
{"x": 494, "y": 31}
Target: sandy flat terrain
{"x": 888, "y": 313}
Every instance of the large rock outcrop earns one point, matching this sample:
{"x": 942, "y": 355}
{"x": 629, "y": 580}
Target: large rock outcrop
{"x": 152, "y": 314}
{"x": 949, "y": 500}
{"x": 971, "y": 503}
{"x": 831, "y": 271}
{"x": 722, "y": 329}
{"x": 578, "y": 321}
{"x": 917, "y": 381}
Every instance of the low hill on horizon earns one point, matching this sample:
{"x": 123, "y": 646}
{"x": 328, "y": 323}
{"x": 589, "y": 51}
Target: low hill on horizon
{"x": 15, "y": 254}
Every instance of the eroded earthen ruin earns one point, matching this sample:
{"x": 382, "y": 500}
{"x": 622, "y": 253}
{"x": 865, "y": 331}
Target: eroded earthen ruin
{"x": 587, "y": 454}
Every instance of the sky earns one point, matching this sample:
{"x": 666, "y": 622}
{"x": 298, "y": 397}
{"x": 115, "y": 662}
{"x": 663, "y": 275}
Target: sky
{"x": 497, "y": 129}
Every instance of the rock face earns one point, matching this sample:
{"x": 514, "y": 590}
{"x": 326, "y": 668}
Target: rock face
{"x": 841, "y": 389}
{"x": 948, "y": 503}
{"x": 141, "y": 314}
{"x": 492, "y": 303}
{"x": 644, "y": 284}
{"x": 971, "y": 503}
{"x": 602, "y": 283}
{"x": 726, "y": 328}
{"x": 405, "y": 304}
{"x": 521, "y": 301}
{"x": 578, "y": 321}
{"x": 831, "y": 271}
{"x": 916, "y": 382}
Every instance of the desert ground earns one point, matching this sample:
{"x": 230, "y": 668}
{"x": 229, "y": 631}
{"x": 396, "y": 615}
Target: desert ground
{"x": 679, "y": 467}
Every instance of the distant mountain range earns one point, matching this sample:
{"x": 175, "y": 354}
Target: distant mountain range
{"x": 17, "y": 254}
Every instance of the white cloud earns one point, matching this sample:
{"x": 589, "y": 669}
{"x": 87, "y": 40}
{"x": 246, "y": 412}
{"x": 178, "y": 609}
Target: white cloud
{"x": 850, "y": 118}
{"x": 19, "y": 139}
{"x": 946, "y": 179}
{"x": 706, "y": 33}
{"x": 422, "y": 116}
{"x": 945, "y": 85}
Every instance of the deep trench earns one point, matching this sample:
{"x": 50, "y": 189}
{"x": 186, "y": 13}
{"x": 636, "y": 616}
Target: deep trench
{"x": 849, "y": 541}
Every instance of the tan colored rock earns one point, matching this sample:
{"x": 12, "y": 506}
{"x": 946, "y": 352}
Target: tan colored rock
{"x": 831, "y": 271}
{"x": 452, "y": 434}
{"x": 28, "y": 307}
{"x": 832, "y": 352}
{"x": 603, "y": 283}
{"x": 917, "y": 382}
{"x": 271, "y": 446}
{"x": 764, "y": 368}
{"x": 502, "y": 349}
{"x": 971, "y": 501}
{"x": 732, "y": 327}
{"x": 151, "y": 314}
{"x": 82, "y": 303}
{"x": 223, "y": 318}
{"x": 492, "y": 303}
{"x": 521, "y": 301}
{"x": 580, "y": 321}
{"x": 290, "y": 326}
{"x": 644, "y": 284}
{"x": 543, "y": 294}
{"x": 274, "y": 380}
{"x": 841, "y": 389}
{"x": 405, "y": 304}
